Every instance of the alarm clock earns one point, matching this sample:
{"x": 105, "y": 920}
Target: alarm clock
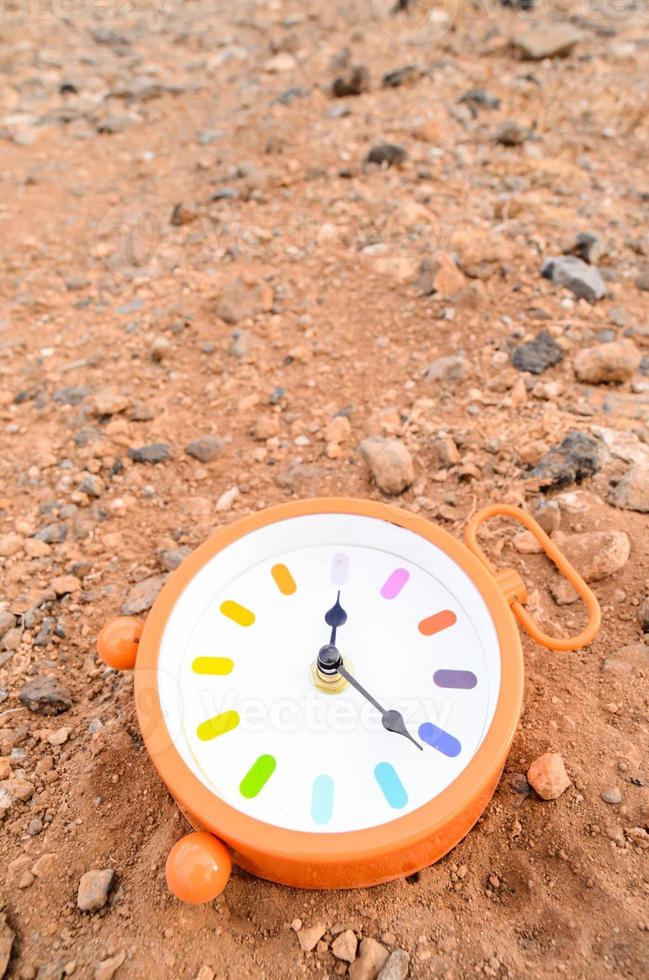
{"x": 329, "y": 689}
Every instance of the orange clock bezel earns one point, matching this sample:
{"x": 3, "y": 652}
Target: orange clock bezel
{"x": 351, "y": 858}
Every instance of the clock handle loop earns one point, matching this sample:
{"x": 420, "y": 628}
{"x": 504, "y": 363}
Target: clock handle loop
{"x": 514, "y": 589}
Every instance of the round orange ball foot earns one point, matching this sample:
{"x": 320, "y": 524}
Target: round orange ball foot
{"x": 198, "y": 868}
{"x": 118, "y": 642}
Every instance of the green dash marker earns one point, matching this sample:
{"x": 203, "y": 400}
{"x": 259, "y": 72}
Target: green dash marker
{"x": 257, "y": 776}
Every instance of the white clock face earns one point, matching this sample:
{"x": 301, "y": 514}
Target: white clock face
{"x": 237, "y": 687}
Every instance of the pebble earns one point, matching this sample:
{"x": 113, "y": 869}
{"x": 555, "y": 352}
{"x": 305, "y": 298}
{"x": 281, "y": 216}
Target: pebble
{"x": 562, "y": 592}
{"x": 160, "y": 348}
{"x": 595, "y": 554}
{"x": 344, "y": 946}
{"x": 7, "y": 937}
{"x": 588, "y": 247}
{"x": 388, "y": 154}
{"x": 106, "y": 969}
{"x": 608, "y": 363}
{"x": 371, "y": 959}
{"x": 396, "y": 966}
{"x": 108, "y": 401}
{"x": 576, "y": 275}
{"x": 632, "y": 492}
{"x": 45, "y": 695}
{"x": 310, "y": 936}
{"x": 182, "y": 215}
{"x": 611, "y": 795}
{"x": 280, "y": 63}
{"x": 171, "y": 559}
{"x": 548, "y": 515}
{"x": 643, "y": 615}
{"x": 205, "y": 448}
{"x": 227, "y": 499}
{"x": 142, "y": 595}
{"x": 547, "y": 776}
{"x": 11, "y": 544}
{"x": 547, "y": 41}
{"x": 205, "y": 973}
{"x": 538, "y": 355}
{"x": 355, "y": 81}
{"x": 642, "y": 281}
{"x": 7, "y": 622}
{"x": 511, "y": 133}
{"x": 94, "y": 888}
{"x": 628, "y": 659}
{"x": 244, "y": 297}
{"x": 453, "y": 367}
{"x": 390, "y": 462}
{"x": 155, "y": 452}
{"x": 65, "y": 584}
{"x": 577, "y": 457}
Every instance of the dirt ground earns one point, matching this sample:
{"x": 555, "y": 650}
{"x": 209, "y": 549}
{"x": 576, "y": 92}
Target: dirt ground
{"x": 120, "y": 328}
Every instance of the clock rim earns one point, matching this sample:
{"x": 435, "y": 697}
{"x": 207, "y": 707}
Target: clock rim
{"x": 278, "y": 852}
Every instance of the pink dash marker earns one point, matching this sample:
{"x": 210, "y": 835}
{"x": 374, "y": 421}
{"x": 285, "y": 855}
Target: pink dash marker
{"x": 394, "y": 584}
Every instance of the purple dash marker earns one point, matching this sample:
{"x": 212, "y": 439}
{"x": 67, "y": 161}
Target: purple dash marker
{"x": 394, "y": 584}
{"x": 462, "y": 680}
{"x": 439, "y": 739}
{"x": 339, "y": 569}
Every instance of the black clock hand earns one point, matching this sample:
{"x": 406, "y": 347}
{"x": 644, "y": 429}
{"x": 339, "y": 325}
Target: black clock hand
{"x": 331, "y": 662}
{"x": 335, "y": 617}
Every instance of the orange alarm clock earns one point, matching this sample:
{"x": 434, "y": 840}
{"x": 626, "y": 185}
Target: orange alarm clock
{"x": 329, "y": 688}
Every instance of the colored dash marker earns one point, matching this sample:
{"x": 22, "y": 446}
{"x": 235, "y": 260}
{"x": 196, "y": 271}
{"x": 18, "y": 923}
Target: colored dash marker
{"x": 439, "y": 739}
{"x": 283, "y": 579}
{"x": 238, "y": 614}
{"x": 322, "y": 799}
{"x": 435, "y": 624}
{"x": 391, "y": 786}
{"x": 257, "y": 776}
{"x": 339, "y": 569}
{"x": 394, "y": 584}
{"x": 461, "y": 680}
{"x": 218, "y": 725}
{"x": 212, "y": 665}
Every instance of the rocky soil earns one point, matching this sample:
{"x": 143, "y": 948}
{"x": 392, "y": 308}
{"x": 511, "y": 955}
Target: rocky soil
{"x": 259, "y": 251}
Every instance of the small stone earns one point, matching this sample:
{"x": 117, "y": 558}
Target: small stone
{"x": 388, "y": 154}
{"x": 643, "y": 615}
{"x": 155, "y": 452}
{"x": 182, "y": 215}
{"x": 548, "y": 515}
{"x": 538, "y": 355}
{"x": 548, "y": 41}
{"x": 344, "y": 946}
{"x": 12, "y": 639}
{"x": 396, "y": 966}
{"x": 369, "y": 962}
{"x": 11, "y": 544}
{"x": 205, "y": 448}
{"x": 576, "y": 458}
{"x": 296, "y": 925}
{"x": 401, "y": 76}
{"x": 227, "y": 499}
{"x": 5, "y": 769}
{"x": 205, "y": 973}
{"x": 511, "y": 133}
{"x": 581, "y": 279}
{"x": 309, "y": 937}
{"x": 390, "y": 462}
{"x": 142, "y": 595}
{"x": 439, "y": 275}
{"x": 159, "y": 349}
{"x": 18, "y": 788}
{"x": 445, "y": 452}
{"x": 629, "y": 659}
{"x": 280, "y": 63}
{"x": 266, "y": 426}
{"x": 608, "y": 363}
{"x": 92, "y": 484}
{"x": 7, "y": 937}
{"x": 44, "y": 866}
{"x": 595, "y": 554}
{"x": 94, "y": 889}
{"x": 109, "y": 402}
{"x": 170, "y": 560}
{"x": 611, "y": 795}
{"x": 642, "y": 281}
{"x": 589, "y": 248}
{"x": 7, "y": 621}
{"x": 547, "y": 776}
{"x": 355, "y": 81}
{"x": 64, "y": 584}
{"x": 632, "y": 492}
{"x": 244, "y": 297}
{"x": 338, "y": 430}
{"x": 454, "y": 367}
{"x": 384, "y": 422}
{"x": 45, "y": 695}
{"x": 106, "y": 969}
{"x": 562, "y": 592}
{"x": 526, "y": 544}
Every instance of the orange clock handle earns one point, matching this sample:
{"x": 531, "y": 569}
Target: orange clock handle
{"x": 514, "y": 588}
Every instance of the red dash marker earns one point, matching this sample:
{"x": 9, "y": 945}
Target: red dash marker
{"x": 440, "y": 621}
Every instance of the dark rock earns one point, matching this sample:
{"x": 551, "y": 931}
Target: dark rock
{"x": 297, "y": 92}
{"x": 72, "y": 395}
{"x": 400, "y": 76}
{"x": 225, "y": 194}
{"x": 156, "y": 452}
{"x": 575, "y": 459}
{"x": 170, "y": 560}
{"x": 581, "y": 279}
{"x": 52, "y": 533}
{"x": 511, "y": 133}
{"x": 355, "y": 81}
{"x": 642, "y": 282}
{"x": 205, "y": 448}
{"x": 478, "y": 98}
{"x": 45, "y": 695}
{"x": 389, "y": 154}
{"x": 643, "y": 615}
{"x": 538, "y": 355}
{"x": 587, "y": 247}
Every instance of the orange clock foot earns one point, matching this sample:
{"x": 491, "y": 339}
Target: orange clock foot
{"x": 118, "y": 642}
{"x": 198, "y": 868}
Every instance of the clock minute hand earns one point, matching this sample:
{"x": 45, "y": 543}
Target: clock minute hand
{"x": 391, "y": 720}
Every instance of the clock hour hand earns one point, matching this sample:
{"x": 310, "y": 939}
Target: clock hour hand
{"x": 391, "y": 720}
{"x": 335, "y": 617}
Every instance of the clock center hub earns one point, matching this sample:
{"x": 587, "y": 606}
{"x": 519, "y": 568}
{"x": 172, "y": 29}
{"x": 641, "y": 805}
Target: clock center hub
{"x": 324, "y": 671}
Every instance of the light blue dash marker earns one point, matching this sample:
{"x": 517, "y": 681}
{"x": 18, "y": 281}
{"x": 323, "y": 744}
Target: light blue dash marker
{"x": 391, "y": 786}
{"x": 322, "y": 799}
{"x": 439, "y": 739}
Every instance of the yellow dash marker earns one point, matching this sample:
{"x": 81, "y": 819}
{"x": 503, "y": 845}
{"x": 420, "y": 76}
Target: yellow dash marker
{"x": 212, "y": 665}
{"x": 218, "y": 725}
{"x": 283, "y": 579}
{"x": 238, "y": 614}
